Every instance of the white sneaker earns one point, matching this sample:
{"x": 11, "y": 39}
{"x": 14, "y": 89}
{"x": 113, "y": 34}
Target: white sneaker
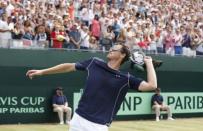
{"x": 61, "y": 123}
{"x": 157, "y": 119}
{"x": 170, "y": 118}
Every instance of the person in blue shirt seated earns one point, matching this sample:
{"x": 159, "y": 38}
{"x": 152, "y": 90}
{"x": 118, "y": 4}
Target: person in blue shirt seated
{"x": 158, "y": 105}
{"x": 105, "y": 88}
{"x": 60, "y": 105}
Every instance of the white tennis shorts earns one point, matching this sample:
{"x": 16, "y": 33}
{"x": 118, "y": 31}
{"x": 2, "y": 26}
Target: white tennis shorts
{"x": 79, "y": 123}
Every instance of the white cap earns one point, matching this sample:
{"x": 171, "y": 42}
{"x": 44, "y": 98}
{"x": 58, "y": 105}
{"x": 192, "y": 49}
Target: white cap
{"x": 59, "y": 17}
{"x": 188, "y": 18}
{"x": 51, "y": 13}
{"x": 85, "y": 27}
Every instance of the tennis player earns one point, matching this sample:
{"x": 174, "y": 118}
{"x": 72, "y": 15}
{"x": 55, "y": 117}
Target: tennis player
{"x": 105, "y": 88}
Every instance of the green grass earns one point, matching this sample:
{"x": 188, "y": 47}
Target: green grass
{"x": 194, "y": 124}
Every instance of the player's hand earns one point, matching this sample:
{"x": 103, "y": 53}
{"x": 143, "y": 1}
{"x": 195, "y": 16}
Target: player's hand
{"x": 147, "y": 59}
{"x": 33, "y": 73}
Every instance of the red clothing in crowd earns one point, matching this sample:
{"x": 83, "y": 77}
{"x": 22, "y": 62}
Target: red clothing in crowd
{"x": 56, "y": 43}
{"x": 144, "y": 44}
{"x": 169, "y": 41}
{"x": 95, "y": 29}
{"x": 71, "y": 11}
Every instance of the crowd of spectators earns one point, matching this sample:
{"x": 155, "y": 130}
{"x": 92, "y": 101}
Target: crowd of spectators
{"x": 156, "y": 26}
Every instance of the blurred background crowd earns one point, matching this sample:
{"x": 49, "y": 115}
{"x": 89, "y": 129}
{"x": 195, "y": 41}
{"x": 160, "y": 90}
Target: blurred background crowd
{"x": 174, "y": 27}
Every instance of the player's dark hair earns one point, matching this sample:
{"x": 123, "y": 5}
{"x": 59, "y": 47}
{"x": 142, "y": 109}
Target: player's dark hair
{"x": 125, "y": 50}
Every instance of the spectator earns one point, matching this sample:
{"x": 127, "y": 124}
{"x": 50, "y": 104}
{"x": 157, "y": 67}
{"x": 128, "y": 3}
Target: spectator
{"x": 152, "y": 44}
{"x": 116, "y": 29}
{"x": 122, "y": 36}
{"x": 107, "y": 39}
{"x": 199, "y": 49}
{"x": 104, "y": 23}
{"x": 160, "y": 36}
{"x": 137, "y": 40}
{"x": 85, "y": 38}
{"x": 48, "y": 34}
{"x": 5, "y": 31}
{"x": 17, "y": 31}
{"x": 55, "y": 34}
{"x": 142, "y": 9}
{"x": 75, "y": 37}
{"x": 195, "y": 41}
{"x": 145, "y": 42}
{"x": 95, "y": 27}
{"x": 154, "y": 17}
{"x": 186, "y": 42}
{"x": 94, "y": 44}
{"x": 60, "y": 105}
{"x": 3, "y": 6}
{"x": 169, "y": 42}
{"x": 158, "y": 105}
{"x": 41, "y": 36}
{"x": 17, "y": 34}
{"x": 9, "y": 8}
{"x": 178, "y": 39}
{"x": 85, "y": 15}
{"x": 28, "y": 31}
{"x": 71, "y": 10}
{"x": 130, "y": 37}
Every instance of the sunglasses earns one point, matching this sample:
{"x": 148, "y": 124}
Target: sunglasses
{"x": 114, "y": 50}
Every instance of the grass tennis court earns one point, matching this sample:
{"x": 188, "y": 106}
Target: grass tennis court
{"x": 194, "y": 124}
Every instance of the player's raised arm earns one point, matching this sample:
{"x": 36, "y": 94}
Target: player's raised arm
{"x": 151, "y": 82}
{"x": 61, "y": 68}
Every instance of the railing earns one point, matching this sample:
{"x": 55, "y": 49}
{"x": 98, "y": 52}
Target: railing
{"x": 34, "y": 44}
{"x": 22, "y": 44}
